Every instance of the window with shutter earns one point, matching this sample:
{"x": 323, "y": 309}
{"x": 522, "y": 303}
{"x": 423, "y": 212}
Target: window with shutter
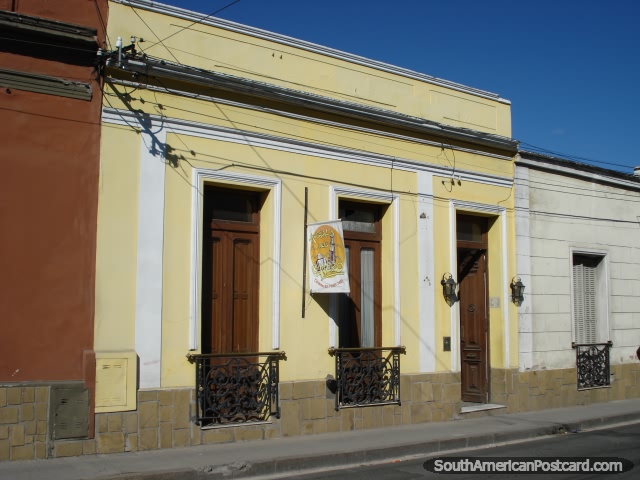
{"x": 585, "y": 313}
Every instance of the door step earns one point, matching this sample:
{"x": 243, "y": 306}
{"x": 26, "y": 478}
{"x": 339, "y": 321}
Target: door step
{"x": 479, "y": 407}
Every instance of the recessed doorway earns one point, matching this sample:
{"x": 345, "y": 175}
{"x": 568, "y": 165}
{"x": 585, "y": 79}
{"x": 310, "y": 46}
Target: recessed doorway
{"x": 472, "y": 250}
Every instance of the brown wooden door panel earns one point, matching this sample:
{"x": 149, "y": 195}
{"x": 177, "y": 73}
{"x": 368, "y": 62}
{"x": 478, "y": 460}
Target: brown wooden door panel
{"x": 230, "y": 274}
{"x": 216, "y": 267}
{"x": 244, "y": 293}
{"x": 473, "y": 324}
{"x": 351, "y": 307}
{"x": 474, "y": 379}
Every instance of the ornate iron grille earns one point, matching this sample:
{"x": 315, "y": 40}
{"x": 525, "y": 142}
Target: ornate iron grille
{"x": 367, "y": 376}
{"x": 592, "y": 362}
{"x": 236, "y": 388}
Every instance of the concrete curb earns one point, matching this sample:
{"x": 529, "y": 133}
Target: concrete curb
{"x": 302, "y": 464}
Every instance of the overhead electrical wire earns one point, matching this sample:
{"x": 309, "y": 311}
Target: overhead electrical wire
{"x": 552, "y": 214}
{"x": 407, "y": 193}
{"x": 444, "y": 200}
{"x": 103, "y": 25}
{"x": 347, "y": 128}
{"x": 345, "y": 147}
{"x": 302, "y": 137}
{"x": 602, "y": 194}
{"x": 574, "y": 158}
{"x": 200, "y": 20}
{"x": 540, "y": 149}
{"x": 238, "y": 68}
{"x": 584, "y": 194}
{"x": 583, "y": 217}
{"x": 161, "y": 59}
{"x": 276, "y": 131}
{"x": 154, "y": 34}
{"x": 191, "y": 25}
{"x": 435, "y": 197}
{"x": 88, "y": 50}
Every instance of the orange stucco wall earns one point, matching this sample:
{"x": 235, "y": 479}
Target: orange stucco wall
{"x": 49, "y": 156}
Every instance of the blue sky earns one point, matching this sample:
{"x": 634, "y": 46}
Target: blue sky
{"x": 571, "y": 68}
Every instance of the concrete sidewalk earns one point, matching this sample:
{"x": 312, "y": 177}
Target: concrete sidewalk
{"x": 294, "y": 454}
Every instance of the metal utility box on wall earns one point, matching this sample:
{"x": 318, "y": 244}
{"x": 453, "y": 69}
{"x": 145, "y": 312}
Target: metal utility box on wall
{"x": 69, "y": 411}
{"x": 116, "y": 382}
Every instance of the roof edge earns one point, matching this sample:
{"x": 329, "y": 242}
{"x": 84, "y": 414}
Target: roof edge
{"x": 47, "y": 25}
{"x": 304, "y": 45}
{"x": 585, "y": 171}
{"x": 196, "y": 76}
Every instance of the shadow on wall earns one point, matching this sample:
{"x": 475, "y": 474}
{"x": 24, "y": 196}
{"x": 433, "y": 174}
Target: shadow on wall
{"x": 23, "y": 44}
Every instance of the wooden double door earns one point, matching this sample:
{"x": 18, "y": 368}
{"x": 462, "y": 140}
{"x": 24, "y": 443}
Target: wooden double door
{"x": 230, "y": 271}
{"x": 473, "y": 307}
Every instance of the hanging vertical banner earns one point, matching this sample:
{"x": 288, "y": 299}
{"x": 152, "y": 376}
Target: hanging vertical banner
{"x": 327, "y": 270}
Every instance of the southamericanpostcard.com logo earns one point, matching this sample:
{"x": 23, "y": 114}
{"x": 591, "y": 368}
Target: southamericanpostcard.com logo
{"x": 527, "y": 465}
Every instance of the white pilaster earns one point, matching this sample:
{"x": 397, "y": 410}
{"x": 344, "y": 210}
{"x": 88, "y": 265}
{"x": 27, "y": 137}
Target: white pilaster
{"x": 148, "y": 324}
{"x": 506, "y": 281}
{"x": 523, "y": 266}
{"x": 426, "y": 279}
{"x": 453, "y": 269}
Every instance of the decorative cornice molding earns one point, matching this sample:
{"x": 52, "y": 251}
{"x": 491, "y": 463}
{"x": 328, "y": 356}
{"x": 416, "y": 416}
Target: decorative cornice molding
{"x": 303, "y": 45}
{"x": 565, "y": 168}
{"x": 206, "y": 78}
{"x": 63, "y": 31}
{"x": 45, "y": 84}
{"x": 214, "y": 132}
{"x": 477, "y": 207}
{"x": 306, "y": 118}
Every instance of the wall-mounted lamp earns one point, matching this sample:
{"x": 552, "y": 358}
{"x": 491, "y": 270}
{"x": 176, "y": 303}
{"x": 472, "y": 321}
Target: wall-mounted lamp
{"x": 517, "y": 291}
{"x": 449, "y": 286}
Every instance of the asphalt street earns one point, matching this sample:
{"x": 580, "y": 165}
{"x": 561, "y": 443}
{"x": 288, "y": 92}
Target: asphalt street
{"x": 621, "y": 442}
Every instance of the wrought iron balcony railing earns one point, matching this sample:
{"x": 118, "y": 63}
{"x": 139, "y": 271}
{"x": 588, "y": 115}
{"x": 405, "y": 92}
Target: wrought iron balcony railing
{"x": 236, "y": 388}
{"x": 592, "y": 362}
{"x": 367, "y": 376}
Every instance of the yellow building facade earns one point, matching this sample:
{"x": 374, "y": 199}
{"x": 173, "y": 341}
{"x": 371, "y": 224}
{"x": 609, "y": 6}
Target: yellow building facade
{"x": 219, "y": 141}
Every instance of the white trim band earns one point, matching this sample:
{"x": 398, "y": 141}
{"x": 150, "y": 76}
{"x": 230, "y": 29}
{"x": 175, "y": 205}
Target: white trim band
{"x": 214, "y": 132}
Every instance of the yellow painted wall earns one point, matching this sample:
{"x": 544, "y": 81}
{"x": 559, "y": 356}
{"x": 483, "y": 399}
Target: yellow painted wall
{"x": 116, "y": 256}
{"x": 304, "y": 340}
{"x": 243, "y": 55}
{"x": 317, "y": 174}
{"x": 117, "y": 238}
